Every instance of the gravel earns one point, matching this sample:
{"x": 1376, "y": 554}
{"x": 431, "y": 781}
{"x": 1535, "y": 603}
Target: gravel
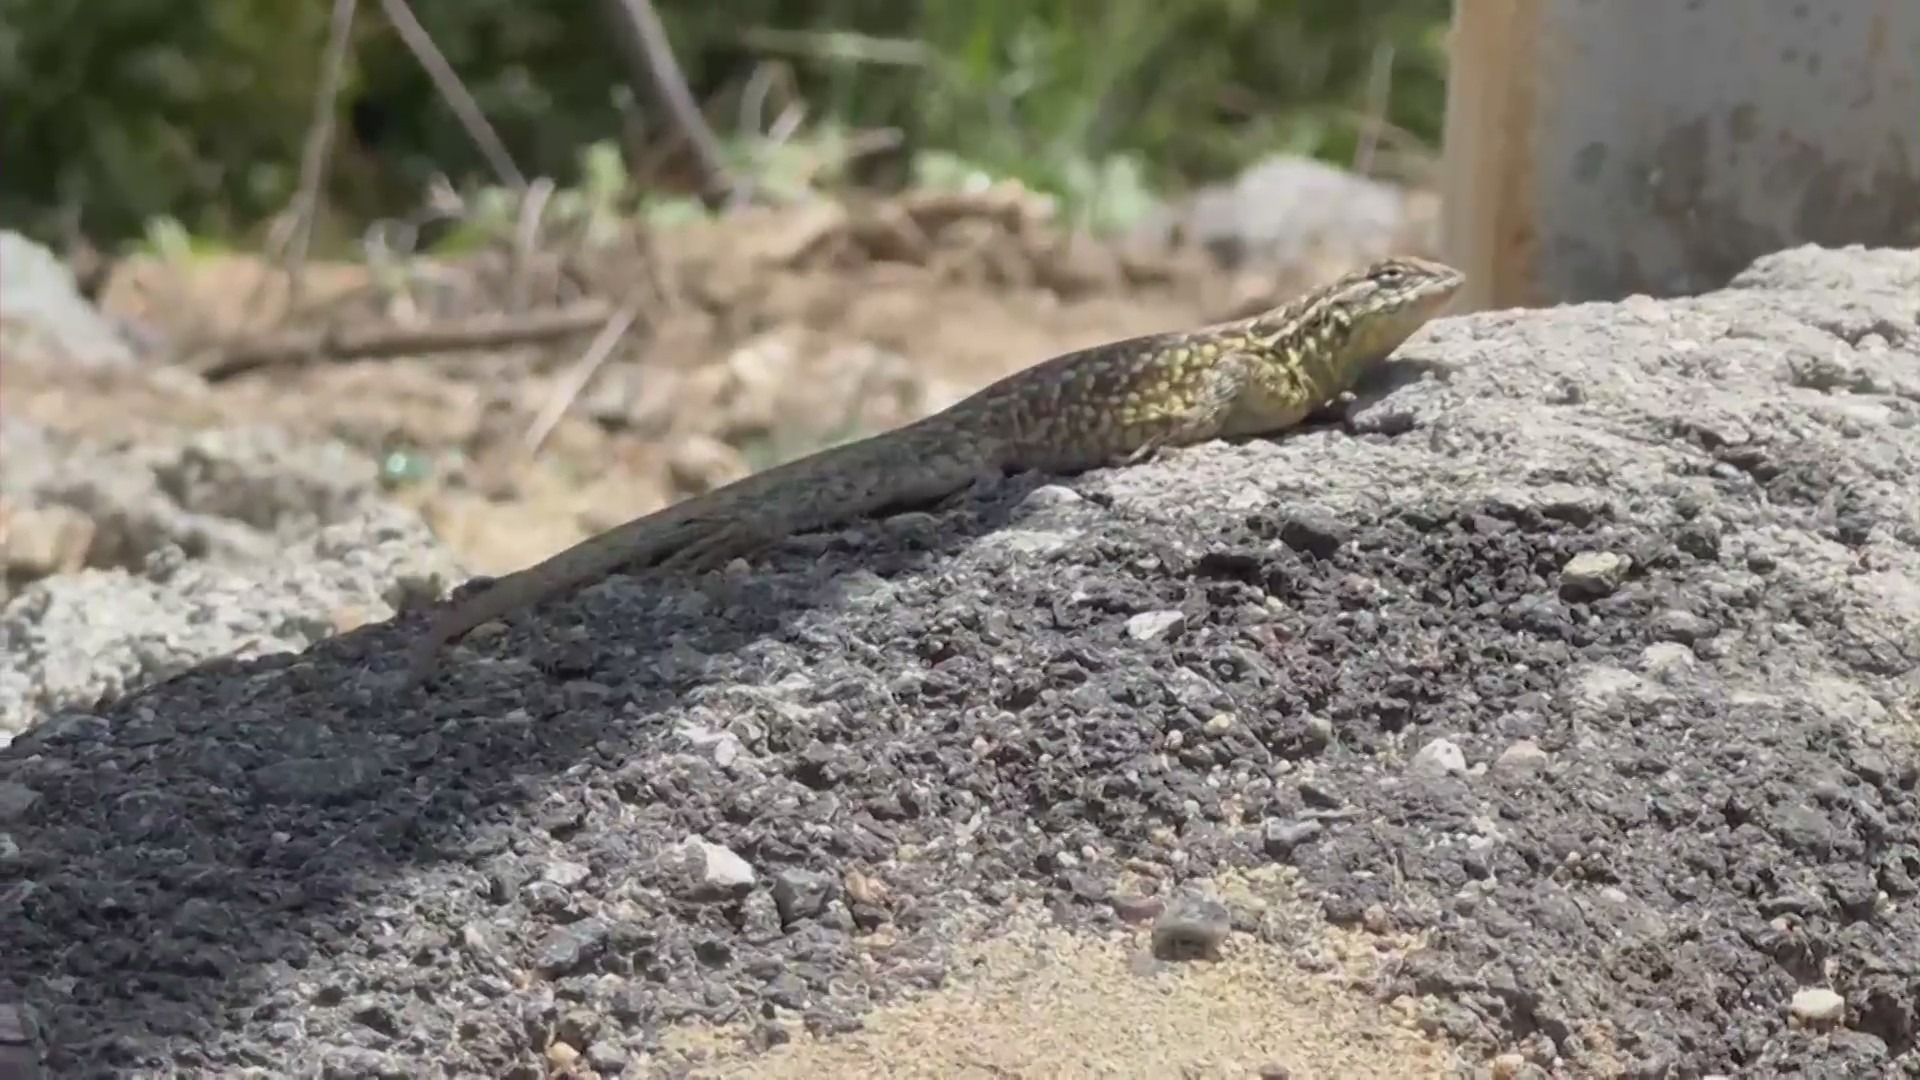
{"x": 1591, "y": 654}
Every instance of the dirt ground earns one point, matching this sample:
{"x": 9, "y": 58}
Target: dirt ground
{"x": 1036, "y": 1000}
{"x": 757, "y": 341}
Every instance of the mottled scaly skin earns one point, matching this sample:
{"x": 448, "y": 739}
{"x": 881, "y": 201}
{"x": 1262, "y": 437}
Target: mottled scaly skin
{"x": 1107, "y": 405}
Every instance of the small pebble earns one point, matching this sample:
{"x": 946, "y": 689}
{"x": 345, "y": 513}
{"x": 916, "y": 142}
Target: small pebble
{"x": 1155, "y": 625}
{"x": 1667, "y": 662}
{"x": 720, "y": 868}
{"x": 1281, "y": 837}
{"x": 1441, "y": 757}
{"x": 1520, "y": 759}
{"x": 567, "y": 875}
{"x": 1374, "y": 919}
{"x": 1593, "y": 574}
{"x": 1683, "y": 627}
{"x": 1050, "y": 496}
{"x": 607, "y": 1057}
{"x": 1135, "y": 908}
{"x": 802, "y": 894}
{"x": 1320, "y": 729}
{"x": 1818, "y": 1006}
{"x": 16, "y": 800}
{"x": 1191, "y": 927}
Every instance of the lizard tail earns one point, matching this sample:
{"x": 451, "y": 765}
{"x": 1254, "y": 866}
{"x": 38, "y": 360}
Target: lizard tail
{"x": 639, "y": 542}
{"x": 810, "y": 491}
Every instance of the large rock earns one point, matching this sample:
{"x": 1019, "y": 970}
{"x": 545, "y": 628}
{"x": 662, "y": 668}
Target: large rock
{"x": 1289, "y": 212}
{"x": 1591, "y": 655}
{"x": 127, "y": 564}
{"x": 44, "y": 318}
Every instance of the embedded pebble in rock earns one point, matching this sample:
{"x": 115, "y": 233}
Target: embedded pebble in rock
{"x": 16, "y": 800}
{"x": 1137, "y": 910}
{"x": 1155, "y": 625}
{"x": 567, "y": 875}
{"x": 802, "y": 894}
{"x": 1319, "y": 730}
{"x": 608, "y": 1058}
{"x": 1051, "y": 497}
{"x": 267, "y": 867}
{"x": 1819, "y": 1006}
{"x": 1592, "y": 574}
{"x": 20, "y": 1045}
{"x": 1281, "y": 837}
{"x": 719, "y": 866}
{"x": 1683, "y": 627}
{"x": 1441, "y": 757}
{"x": 1520, "y": 759}
{"x": 1668, "y": 662}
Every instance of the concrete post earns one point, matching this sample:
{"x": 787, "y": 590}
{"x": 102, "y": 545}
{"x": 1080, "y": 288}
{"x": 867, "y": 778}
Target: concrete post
{"x": 1599, "y": 148}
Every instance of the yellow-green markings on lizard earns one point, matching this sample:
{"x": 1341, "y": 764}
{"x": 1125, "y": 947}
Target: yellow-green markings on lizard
{"x": 1106, "y": 405}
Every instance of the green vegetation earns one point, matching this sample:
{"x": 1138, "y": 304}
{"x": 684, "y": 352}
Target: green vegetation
{"x": 122, "y": 112}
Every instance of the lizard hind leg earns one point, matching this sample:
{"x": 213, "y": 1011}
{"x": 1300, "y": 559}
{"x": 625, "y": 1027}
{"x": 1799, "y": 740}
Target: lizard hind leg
{"x": 720, "y": 543}
{"x": 856, "y": 481}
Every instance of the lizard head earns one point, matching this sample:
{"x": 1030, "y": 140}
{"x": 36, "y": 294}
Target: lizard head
{"x": 1365, "y": 315}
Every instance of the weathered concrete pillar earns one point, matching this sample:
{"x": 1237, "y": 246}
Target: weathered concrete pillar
{"x": 1598, "y": 148}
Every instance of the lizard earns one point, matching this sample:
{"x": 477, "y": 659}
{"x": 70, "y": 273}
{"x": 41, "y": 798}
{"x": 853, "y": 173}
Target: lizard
{"x": 1114, "y": 404}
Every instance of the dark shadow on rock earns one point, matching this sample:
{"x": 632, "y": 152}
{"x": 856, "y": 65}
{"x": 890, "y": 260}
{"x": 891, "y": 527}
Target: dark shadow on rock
{"x": 187, "y": 850}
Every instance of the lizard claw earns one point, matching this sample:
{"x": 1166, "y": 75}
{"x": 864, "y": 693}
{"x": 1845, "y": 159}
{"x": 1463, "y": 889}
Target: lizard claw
{"x": 712, "y": 551}
{"x": 1147, "y": 451}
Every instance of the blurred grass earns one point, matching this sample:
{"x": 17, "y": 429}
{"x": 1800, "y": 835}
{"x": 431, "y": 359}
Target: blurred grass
{"x": 124, "y": 111}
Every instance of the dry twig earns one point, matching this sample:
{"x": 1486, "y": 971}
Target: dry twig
{"x": 526, "y": 239}
{"x": 455, "y": 335}
{"x": 318, "y": 150}
{"x": 577, "y": 378}
{"x": 1379, "y": 91}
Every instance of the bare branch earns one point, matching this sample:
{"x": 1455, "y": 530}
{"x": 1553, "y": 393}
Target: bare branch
{"x": 650, "y": 55}
{"x": 317, "y": 151}
{"x": 465, "y": 109}
{"x": 457, "y": 335}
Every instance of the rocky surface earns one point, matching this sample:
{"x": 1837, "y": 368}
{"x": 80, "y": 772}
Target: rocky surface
{"x": 1588, "y": 652}
{"x": 41, "y": 309}
{"x": 135, "y": 562}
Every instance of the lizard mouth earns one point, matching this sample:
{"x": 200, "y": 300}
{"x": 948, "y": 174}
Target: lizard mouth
{"x": 1391, "y": 330}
